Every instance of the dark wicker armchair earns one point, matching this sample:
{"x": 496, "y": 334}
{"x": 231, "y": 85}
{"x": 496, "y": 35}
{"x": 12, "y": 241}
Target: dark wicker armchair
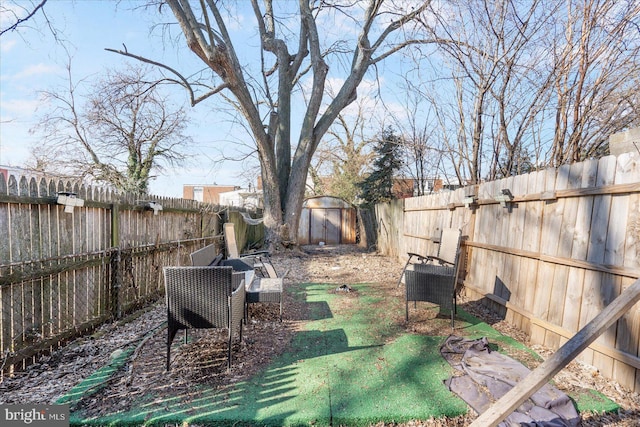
{"x": 203, "y": 298}
{"x": 433, "y": 278}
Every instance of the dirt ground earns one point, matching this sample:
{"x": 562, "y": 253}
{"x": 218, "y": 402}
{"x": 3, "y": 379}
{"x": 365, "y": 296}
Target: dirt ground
{"x": 264, "y": 338}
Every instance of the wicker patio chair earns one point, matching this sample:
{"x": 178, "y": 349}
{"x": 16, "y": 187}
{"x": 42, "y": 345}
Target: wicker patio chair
{"x": 432, "y": 278}
{"x": 259, "y": 260}
{"x": 206, "y": 256}
{"x": 204, "y": 298}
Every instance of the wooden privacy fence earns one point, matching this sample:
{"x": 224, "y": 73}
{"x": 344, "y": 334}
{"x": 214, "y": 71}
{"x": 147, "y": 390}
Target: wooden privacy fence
{"x": 248, "y": 236}
{"x": 63, "y": 273}
{"x": 565, "y": 245}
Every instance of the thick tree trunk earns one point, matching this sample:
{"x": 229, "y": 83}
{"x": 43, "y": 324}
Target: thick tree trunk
{"x": 272, "y": 215}
{"x": 281, "y": 226}
{"x": 294, "y": 200}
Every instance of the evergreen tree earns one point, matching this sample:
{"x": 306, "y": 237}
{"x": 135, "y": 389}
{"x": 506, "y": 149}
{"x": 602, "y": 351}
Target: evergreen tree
{"x": 378, "y": 186}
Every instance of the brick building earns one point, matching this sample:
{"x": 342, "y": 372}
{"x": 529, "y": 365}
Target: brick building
{"x": 207, "y": 193}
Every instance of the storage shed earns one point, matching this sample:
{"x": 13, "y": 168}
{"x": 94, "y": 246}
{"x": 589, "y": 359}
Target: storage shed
{"x": 327, "y": 219}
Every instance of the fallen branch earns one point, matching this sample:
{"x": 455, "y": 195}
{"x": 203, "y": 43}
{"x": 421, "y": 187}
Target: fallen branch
{"x": 136, "y": 352}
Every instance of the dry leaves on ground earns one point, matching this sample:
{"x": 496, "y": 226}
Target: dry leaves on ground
{"x": 264, "y": 338}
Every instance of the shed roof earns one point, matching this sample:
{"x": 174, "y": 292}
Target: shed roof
{"x": 326, "y": 202}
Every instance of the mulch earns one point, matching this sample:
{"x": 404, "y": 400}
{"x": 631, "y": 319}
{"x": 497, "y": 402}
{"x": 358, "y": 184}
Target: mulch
{"x": 265, "y": 337}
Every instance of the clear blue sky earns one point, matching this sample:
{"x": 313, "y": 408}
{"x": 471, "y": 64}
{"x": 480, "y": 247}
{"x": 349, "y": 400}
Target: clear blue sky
{"x": 31, "y": 61}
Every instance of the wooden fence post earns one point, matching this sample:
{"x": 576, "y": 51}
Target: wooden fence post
{"x": 115, "y": 225}
{"x": 114, "y": 283}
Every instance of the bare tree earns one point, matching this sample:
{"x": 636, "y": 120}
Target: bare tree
{"x": 288, "y": 58}
{"x": 421, "y": 147}
{"x": 124, "y": 132}
{"x": 349, "y": 160}
{"x": 597, "y": 61}
{"x": 490, "y": 53}
{"x": 531, "y": 83}
{"x": 341, "y": 162}
{"x": 522, "y": 90}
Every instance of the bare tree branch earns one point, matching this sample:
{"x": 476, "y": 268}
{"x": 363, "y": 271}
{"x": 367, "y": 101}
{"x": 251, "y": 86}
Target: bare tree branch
{"x": 20, "y": 21}
{"x": 182, "y": 81}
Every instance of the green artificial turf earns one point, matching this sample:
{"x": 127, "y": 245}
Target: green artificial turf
{"x": 352, "y": 365}
{"x": 587, "y": 400}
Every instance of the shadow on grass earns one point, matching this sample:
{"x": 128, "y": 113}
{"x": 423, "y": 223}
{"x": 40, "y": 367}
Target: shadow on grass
{"x": 352, "y": 363}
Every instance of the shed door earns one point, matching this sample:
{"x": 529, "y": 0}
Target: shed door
{"x": 325, "y": 226}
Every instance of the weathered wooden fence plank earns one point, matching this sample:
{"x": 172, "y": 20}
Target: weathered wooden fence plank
{"x": 579, "y": 249}
{"x": 517, "y": 227}
{"x": 550, "y": 236}
{"x": 533, "y": 231}
{"x": 595, "y": 296}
